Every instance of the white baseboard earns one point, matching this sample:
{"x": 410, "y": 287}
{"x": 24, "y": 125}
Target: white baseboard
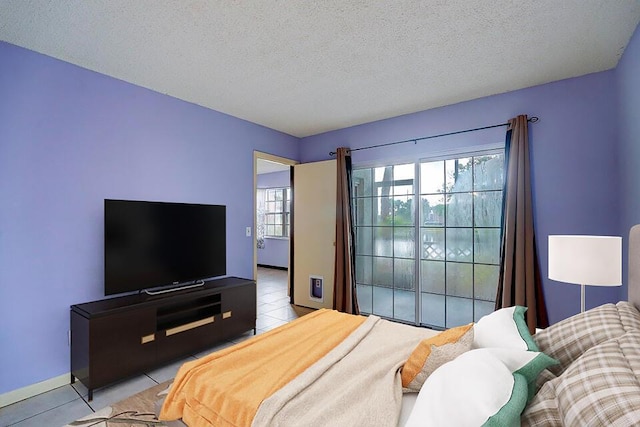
{"x": 14, "y": 396}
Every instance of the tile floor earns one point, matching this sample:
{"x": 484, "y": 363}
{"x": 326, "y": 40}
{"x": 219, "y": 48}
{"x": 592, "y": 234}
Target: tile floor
{"x": 68, "y": 403}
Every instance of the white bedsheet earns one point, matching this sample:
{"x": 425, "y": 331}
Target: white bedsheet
{"x": 408, "y": 400}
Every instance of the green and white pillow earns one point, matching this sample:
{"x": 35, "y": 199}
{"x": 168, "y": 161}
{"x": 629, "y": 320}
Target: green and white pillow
{"x": 529, "y": 364}
{"x": 475, "y": 389}
{"x": 504, "y": 328}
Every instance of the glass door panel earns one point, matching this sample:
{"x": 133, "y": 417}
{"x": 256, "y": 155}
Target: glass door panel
{"x": 428, "y": 239}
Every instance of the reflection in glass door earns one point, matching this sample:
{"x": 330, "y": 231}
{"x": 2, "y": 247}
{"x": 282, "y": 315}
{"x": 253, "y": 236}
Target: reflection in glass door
{"x": 384, "y": 217}
{"x": 456, "y": 239}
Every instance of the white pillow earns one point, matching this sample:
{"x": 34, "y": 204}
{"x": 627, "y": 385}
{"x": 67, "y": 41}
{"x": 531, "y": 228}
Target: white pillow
{"x": 504, "y": 328}
{"x": 475, "y": 389}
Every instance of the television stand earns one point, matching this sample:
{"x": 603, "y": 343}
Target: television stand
{"x": 116, "y": 338}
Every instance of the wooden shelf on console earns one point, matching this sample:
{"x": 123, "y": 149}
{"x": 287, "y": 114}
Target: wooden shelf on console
{"x": 119, "y": 337}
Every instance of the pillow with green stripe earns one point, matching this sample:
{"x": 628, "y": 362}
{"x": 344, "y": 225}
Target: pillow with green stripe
{"x": 504, "y": 328}
{"x": 529, "y": 364}
{"x": 475, "y": 389}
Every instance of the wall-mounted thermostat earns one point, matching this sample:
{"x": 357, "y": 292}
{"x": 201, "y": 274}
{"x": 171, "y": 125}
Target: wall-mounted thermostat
{"x": 316, "y": 288}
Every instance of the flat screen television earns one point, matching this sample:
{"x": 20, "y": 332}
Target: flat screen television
{"x": 155, "y": 244}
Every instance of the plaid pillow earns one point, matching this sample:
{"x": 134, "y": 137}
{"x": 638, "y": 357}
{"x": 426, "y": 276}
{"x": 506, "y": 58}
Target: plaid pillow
{"x": 565, "y": 341}
{"x": 602, "y": 387}
{"x": 629, "y": 315}
{"x": 544, "y": 376}
{"x": 542, "y": 411}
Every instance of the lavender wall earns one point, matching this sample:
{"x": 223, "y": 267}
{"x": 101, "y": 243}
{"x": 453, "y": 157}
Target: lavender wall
{"x": 573, "y": 155}
{"x": 70, "y": 138}
{"x": 628, "y": 82}
{"x": 276, "y": 251}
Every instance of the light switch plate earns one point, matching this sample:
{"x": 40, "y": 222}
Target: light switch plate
{"x": 248, "y": 231}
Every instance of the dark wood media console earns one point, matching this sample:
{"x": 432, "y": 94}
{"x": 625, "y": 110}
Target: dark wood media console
{"x": 115, "y": 338}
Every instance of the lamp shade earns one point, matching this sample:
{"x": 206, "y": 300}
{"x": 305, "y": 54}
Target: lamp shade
{"x": 586, "y": 260}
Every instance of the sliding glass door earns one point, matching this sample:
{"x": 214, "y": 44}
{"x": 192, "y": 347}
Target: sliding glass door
{"x": 384, "y": 218}
{"x": 440, "y": 270}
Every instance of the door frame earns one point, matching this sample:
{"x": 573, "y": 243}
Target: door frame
{"x": 272, "y": 158}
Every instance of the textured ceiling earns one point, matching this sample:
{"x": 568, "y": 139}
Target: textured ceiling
{"x": 306, "y": 67}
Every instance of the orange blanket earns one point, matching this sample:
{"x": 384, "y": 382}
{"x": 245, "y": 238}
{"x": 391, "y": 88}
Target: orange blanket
{"x": 227, "y": 387}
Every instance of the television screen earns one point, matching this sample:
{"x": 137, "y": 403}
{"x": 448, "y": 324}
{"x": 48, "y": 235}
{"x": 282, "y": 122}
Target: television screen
{"x": 152, "y": 244}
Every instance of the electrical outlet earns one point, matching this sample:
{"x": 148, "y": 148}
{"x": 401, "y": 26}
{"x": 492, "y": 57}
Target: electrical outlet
{"x": 248, "y": 231}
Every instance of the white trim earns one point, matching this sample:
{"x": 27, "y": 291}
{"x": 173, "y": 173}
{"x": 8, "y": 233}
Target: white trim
{"x": 23, "y": 393}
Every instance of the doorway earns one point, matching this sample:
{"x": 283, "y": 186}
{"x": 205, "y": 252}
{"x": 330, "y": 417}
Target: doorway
{"x": 271, "y": 219}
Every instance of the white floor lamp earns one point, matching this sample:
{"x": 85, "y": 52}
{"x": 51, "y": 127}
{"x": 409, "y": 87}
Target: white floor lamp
{"x": 586, "y": 260}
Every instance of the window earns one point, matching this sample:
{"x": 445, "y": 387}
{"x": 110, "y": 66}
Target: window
{"x": 277, "y": 206}
{"x": 439, "y": 270}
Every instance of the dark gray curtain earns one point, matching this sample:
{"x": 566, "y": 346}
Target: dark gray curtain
{"x": 519, "y": 282}
{"x": 344, "y": 294}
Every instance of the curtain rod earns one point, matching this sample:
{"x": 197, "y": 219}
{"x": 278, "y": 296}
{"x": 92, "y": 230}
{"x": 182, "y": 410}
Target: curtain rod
{"x": 415, "y": 140}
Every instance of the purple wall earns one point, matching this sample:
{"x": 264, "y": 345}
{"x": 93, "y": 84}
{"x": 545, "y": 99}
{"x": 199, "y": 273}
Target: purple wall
{"x": 628, "y": 80}
{"x": 573, "y": 154}
{"x": 70, "y": 138}
{"x": 276, "y": 251}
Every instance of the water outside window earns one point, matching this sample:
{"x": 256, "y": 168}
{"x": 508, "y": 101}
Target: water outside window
{"x": 442, "y": 268}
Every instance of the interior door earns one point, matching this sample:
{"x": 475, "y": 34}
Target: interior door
{"x": 314, "y": 219}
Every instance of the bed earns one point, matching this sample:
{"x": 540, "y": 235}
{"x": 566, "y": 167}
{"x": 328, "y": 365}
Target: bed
{"x": 334, "y": 369}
